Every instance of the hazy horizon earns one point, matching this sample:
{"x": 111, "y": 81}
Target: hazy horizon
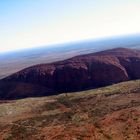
{"x": 94, "y": 44}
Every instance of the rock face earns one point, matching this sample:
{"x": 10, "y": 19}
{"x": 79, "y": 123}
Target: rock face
{"x": 81, "y": 72}
{"x": 16, "y": 90}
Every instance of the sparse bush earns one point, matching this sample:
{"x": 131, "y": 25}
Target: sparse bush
{"x": 68, "y": 115}
{"x": 51, "y": 106}
{"x": 65, "y": 101}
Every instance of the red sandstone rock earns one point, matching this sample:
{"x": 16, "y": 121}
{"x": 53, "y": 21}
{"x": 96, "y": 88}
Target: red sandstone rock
{"x": 83, "y": 72}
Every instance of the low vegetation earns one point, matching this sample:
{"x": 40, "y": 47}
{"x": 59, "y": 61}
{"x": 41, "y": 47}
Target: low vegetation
{"x": 110, "y": 113}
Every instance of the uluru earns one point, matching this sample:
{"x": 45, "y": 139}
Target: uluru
{"x": 75, "y": 74}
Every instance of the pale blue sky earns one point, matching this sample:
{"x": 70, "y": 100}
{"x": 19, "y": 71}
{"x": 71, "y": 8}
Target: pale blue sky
{"x": 32, "y": 23}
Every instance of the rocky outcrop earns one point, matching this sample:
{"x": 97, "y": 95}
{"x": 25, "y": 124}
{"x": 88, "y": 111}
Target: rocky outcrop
{"x": 82, "y": 72}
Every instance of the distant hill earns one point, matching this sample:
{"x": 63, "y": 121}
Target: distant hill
{"x": 14, "y": 61}
{"x": 75, "y": 74}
